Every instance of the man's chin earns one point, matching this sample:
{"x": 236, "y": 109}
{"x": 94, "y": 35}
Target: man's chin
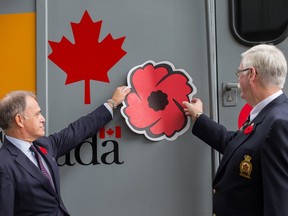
{"x": 41, "y": 134}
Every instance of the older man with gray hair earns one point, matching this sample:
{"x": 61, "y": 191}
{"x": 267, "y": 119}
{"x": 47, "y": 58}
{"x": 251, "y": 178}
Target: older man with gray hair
{"x": 252, "y": 178}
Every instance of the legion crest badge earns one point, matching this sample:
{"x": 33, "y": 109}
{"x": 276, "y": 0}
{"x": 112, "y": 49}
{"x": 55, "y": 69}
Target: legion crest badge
{"x": 246, "y": 167}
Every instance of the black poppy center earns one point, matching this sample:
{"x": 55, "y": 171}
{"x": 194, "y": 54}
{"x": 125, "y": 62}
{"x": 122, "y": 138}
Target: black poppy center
{"x": 158, "y": 100}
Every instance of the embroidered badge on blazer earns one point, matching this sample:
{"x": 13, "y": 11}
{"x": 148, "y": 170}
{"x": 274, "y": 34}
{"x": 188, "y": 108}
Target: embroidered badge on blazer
{"x": 246, "y": 167}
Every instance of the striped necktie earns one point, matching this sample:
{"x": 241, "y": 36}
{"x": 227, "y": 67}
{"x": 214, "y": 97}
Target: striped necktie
{"x": 41, "y": 165}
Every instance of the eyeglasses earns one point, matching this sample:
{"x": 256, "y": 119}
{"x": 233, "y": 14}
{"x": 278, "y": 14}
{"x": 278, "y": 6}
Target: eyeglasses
{"x": 240, "y": 71}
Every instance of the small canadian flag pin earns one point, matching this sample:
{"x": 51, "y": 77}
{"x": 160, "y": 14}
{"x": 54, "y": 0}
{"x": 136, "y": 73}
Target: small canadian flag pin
{"x": 110, "y": 132}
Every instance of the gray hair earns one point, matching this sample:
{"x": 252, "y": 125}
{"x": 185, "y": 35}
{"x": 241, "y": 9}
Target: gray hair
{"x": 11, "y": 105}
{"x": 269, "y": 62}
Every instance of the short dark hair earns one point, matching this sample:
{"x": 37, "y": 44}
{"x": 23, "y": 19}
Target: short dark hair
{"x": 12, "y": 104}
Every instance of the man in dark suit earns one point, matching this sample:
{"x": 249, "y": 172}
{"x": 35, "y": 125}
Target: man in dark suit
{"x": 252, "y": 178}
{"x": 29, "y": 178}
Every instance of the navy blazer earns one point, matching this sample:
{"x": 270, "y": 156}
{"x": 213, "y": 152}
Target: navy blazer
{"x": 24, "y": 190}
{"x": 252, "y": 178}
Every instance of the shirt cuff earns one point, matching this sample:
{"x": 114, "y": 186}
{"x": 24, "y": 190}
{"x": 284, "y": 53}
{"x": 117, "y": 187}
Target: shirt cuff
{"x": 109, "y": 108}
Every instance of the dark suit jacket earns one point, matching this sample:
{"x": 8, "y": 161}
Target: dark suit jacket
{"x": 23, "y": 188}
{"x": 263, "y": 191}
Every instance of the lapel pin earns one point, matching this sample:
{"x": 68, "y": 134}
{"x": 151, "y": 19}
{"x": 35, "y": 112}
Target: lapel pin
{"x": 249, "y": 129}
{"x": 43, "y": 150}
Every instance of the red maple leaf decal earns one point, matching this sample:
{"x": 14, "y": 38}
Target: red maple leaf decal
{"x": 87, "y": 59}
{"x": 110, "y": 132}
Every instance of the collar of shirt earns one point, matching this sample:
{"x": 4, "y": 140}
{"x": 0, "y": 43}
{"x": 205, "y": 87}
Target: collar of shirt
{"x": 20, "y": 144}
{"x": 256, "y": 110}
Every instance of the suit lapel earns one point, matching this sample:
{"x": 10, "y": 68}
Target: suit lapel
{"x": 28, "y": 165}
{"x": 241, "y": 137}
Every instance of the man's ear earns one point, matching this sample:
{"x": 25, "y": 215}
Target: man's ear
{"x": 19, "y": 120}
{"x": 252, "y": 73}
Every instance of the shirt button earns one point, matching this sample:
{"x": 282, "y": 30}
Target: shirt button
{"x": 214, "y": 191}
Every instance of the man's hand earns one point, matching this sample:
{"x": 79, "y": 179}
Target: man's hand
{"x": 118, "y": 96}
{"x": 193, "y": 109}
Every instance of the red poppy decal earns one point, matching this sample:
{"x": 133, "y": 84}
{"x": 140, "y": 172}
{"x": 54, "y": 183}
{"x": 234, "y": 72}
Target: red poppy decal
{"x": 249, "y": 129}
{"x": 154, "y": 106}
{"x": 43, "y": 150}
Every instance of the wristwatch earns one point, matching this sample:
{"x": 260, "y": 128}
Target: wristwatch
{"x": 111, "y": 101}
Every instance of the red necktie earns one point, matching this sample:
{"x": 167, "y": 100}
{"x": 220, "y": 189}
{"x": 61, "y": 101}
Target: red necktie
{"x": 41, "y": 165}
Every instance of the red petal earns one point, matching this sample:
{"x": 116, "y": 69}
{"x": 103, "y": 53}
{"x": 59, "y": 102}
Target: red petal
{"x": 140, "y": 115}
{"x": 145, "y": 79}
{"x": 177, "y": 87}
{"x": 172, "y": 120}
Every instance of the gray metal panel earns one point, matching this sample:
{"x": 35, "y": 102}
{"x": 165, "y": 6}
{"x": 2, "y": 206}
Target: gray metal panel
{"x": 17, "y": 6}
{"x": 228, "y": 55}
{"x": 156, "y": 178}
